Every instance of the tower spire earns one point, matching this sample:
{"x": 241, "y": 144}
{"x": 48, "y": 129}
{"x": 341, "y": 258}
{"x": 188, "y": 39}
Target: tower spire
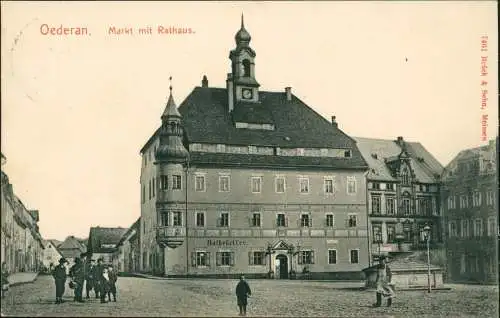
{"x": 242, "y": 37}
{"x": 171, "y": 107}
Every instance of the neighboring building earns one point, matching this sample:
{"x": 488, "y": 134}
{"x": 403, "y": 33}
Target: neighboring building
{"x": 238, "y": 172}
{"x": 22, "y": 246}
{"x": 403, "y": 186}
{"x": 102, "y": 242}
{"x": 126, "y": 255}
{"x": 71, "y": 248}
{"x": 51, "y": 254}
{"x": 470, "y": 196}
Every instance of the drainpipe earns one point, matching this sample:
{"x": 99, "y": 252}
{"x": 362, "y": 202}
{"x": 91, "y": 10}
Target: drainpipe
{"x": 368, "y": 222}
{"x": 186, "y": 219}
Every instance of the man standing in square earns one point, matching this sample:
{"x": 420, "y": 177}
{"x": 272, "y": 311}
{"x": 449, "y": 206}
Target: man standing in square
{"x": 242, "y": 293}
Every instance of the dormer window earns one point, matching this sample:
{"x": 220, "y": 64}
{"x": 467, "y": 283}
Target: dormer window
{"x": 246, "y": 68}
{"x": 405, "y": 177}
{"x": 347, "y": 154}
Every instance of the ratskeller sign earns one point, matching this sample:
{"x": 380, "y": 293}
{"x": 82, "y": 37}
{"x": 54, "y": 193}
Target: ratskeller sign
{"x": 225, "y": 243}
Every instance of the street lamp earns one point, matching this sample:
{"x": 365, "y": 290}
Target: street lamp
{"x": 427, "y": 234}
{"x": 378, "y": 239}
{"x": 270, "y": 251}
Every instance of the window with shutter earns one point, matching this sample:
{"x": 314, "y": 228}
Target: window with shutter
{"x": 208, "y": 259}
{"x": 231, "y": 259}
{"x": 193, "y": 259}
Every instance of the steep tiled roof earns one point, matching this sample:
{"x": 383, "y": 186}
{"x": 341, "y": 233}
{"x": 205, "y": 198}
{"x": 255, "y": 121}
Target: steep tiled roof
{"x": 266, "y": 161}
{"x": 206, "y": 119}
{"x": 134, "y": 226}
{"x": 51, "y": 242}
{"x": 55, "y": 242}
{"x": 487, "y": 154}
{"x": 377, "y": 151}
{"x": 104, "y": 235}
{"x": 71, "y": 243}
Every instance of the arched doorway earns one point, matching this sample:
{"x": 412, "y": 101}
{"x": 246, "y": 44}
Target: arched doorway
{"x": 283, "y": 266}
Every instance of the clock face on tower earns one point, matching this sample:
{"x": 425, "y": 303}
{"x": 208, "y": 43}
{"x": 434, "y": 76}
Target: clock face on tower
{"x": 247, "y": 93}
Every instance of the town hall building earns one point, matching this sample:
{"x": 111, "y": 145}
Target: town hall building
{"x": 239, "y": 180}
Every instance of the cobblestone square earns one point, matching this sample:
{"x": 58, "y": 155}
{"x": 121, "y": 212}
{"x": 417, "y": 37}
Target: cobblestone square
{"x": 198, "y": 298}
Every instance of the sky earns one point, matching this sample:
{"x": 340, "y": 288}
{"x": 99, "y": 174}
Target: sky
{"x": 76, "y": 110}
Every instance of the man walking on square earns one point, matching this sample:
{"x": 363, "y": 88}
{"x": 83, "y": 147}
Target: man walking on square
{"x": 242, "y": 293}
{"x": 59, "y": 274}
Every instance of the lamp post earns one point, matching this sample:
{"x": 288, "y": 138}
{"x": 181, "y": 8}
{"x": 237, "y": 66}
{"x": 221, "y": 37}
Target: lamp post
{"x": 378, "y": 238}
{"x": 427, "y": 234}
{"x": 270, "y": 251}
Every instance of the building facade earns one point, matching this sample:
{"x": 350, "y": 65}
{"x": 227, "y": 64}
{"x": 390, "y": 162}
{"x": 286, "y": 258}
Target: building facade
{"x": 51, "y": 254}
{"x": 241, "y": 180}
{"x": 403, "y": 186}
{"x": 22, "y": 244}
{"x": 103, "y": 242}
{"x": 126, "y": 256}
{"x": 71, "y": 248}
{"x": 470, "y": 198}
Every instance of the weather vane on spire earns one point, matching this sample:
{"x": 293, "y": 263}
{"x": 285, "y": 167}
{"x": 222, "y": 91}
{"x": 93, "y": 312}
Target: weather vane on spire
{"x": 242, "y": 23}
{"x": 170, "y": 79}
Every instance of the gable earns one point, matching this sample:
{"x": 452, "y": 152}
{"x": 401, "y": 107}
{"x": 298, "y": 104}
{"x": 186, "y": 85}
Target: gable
{"x": 281, "y": 245}
{"x": 104, "y": 240}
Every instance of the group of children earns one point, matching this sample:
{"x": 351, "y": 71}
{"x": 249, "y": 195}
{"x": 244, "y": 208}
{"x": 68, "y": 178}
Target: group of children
{"x": 109, "y": 282}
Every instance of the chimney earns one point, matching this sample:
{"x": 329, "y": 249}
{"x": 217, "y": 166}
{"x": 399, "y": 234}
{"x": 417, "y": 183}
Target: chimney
{"x": 288, "y": 91}
{"x": 204, "y": 81}
{"x": 230, "y": 93}
{"x": 334, "y": 122}
{"x": 400, "y": 140}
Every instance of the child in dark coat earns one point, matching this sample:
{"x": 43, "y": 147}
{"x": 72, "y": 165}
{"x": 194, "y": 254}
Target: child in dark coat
{"x": 113, "y": 277}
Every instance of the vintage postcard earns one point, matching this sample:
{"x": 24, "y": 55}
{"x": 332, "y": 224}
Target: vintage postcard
{"x": 273, "y": 159}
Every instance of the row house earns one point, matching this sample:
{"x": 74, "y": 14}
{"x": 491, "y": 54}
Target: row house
{"x": 71, "y": 248}
{"x": 403, "y": 188}
{"x": 470, "y": 202}
{"x": 103, "y": 242}
{"x": 22, "y": 244}
{"x": 126, "y": 256}
{"x": 51, "y": 254}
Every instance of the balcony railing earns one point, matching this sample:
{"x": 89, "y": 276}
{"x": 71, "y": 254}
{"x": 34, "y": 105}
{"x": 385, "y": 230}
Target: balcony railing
{"x": 171, "y": 236}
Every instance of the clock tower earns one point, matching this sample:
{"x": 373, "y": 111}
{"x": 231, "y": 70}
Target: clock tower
{"x": 242, "y": 86}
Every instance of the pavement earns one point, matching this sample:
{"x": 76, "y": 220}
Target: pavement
{"x": 22, "y": 278}
{"x": 336, "y": 284}
{"x": 138, "y": 297}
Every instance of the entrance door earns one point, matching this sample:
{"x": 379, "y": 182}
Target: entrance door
{"x": 283, "y": 267}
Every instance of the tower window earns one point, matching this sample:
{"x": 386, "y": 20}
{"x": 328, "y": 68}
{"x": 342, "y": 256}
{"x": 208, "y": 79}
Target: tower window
{"x": 246, "y": 68}
{"x": 163, "y": 182}
{"x": 176, "y": 182}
